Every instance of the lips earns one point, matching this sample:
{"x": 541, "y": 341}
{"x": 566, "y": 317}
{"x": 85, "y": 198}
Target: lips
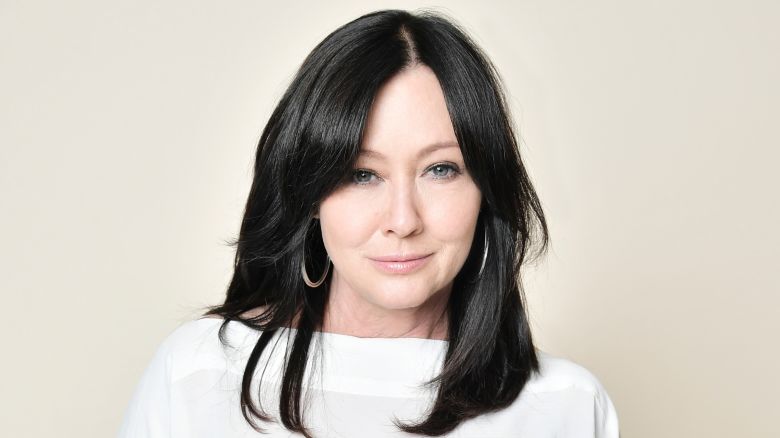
{"x": 397, "y": 264}
{"x": 399, "y": 257}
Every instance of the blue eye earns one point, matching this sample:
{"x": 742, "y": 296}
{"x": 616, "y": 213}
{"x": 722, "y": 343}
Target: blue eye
{"x": 454, "y": 171}
{"x": 361, "y": 173}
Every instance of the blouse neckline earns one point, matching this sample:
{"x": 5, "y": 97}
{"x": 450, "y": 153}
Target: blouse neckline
{"x": 371, "y": 366}
{"x": 342, "y": 338}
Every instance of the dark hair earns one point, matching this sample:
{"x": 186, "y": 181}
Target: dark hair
{"x": 311, "y": 142}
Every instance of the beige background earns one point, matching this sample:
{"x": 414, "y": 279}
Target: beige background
{"x": 127, "y": 132}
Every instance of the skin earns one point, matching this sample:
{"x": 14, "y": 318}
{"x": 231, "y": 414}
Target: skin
{"x": 400, "y": 202}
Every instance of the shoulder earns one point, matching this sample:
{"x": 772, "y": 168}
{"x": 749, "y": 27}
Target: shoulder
{"x": 195, "y": 345}
{"x": 191, "y": 347}
{"x": 558, "y": 373}
{"x": 576, "y": 386}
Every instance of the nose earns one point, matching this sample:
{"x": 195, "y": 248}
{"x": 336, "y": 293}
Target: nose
{"x": 402, "y": 215}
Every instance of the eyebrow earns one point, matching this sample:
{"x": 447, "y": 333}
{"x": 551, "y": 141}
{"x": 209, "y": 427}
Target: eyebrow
{"x": 427, "y": 150}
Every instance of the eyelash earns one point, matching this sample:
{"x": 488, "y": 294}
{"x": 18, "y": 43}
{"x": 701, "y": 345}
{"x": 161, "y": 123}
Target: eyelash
{"x": 455, "y": 171}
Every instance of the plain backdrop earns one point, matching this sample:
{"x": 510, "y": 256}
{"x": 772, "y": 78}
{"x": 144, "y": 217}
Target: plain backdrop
{"x": 650, "y": 128}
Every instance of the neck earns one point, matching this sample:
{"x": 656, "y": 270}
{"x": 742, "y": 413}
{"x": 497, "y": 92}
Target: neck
{"x": 348, "y": 314}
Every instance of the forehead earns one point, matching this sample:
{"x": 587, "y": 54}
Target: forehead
{"x": 409, "y": 116}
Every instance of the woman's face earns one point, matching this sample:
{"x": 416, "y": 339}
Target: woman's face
{"x": 409, "y": 197}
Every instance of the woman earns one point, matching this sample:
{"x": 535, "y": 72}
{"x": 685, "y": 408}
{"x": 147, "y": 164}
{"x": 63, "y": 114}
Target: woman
{"x": 377, "y": 281}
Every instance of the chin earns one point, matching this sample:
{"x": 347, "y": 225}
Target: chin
{"x": 399, "y": 298}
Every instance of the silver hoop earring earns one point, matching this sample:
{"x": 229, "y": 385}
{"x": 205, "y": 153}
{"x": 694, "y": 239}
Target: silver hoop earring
{"x": 484, "y": 256}
{"x": 303, "y": 268}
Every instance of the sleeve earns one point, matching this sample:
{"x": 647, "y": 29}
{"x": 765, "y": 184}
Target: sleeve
{"x": 606, "y": 420}
{"x": 148, "y": 415}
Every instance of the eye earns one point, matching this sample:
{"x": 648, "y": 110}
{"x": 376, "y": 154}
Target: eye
{"x": 440, "y": 171}
{"x": 361, "y": 176}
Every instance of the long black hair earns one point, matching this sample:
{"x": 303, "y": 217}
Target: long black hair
{"x": 311, "y": 142}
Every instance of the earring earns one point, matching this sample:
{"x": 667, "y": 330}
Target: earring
{"x": 484, "y": 256}
{"x": 303, "y": 268}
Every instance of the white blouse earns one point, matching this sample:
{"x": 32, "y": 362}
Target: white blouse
{"x": 191, "y": 389}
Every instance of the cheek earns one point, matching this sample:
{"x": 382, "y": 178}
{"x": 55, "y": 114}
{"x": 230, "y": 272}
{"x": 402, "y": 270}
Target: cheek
{"x": 344, "y": 225}
{"x": 453, "y": 215}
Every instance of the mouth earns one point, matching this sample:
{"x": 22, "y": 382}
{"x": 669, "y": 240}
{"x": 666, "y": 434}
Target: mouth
{"x": 400, "y": 264}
